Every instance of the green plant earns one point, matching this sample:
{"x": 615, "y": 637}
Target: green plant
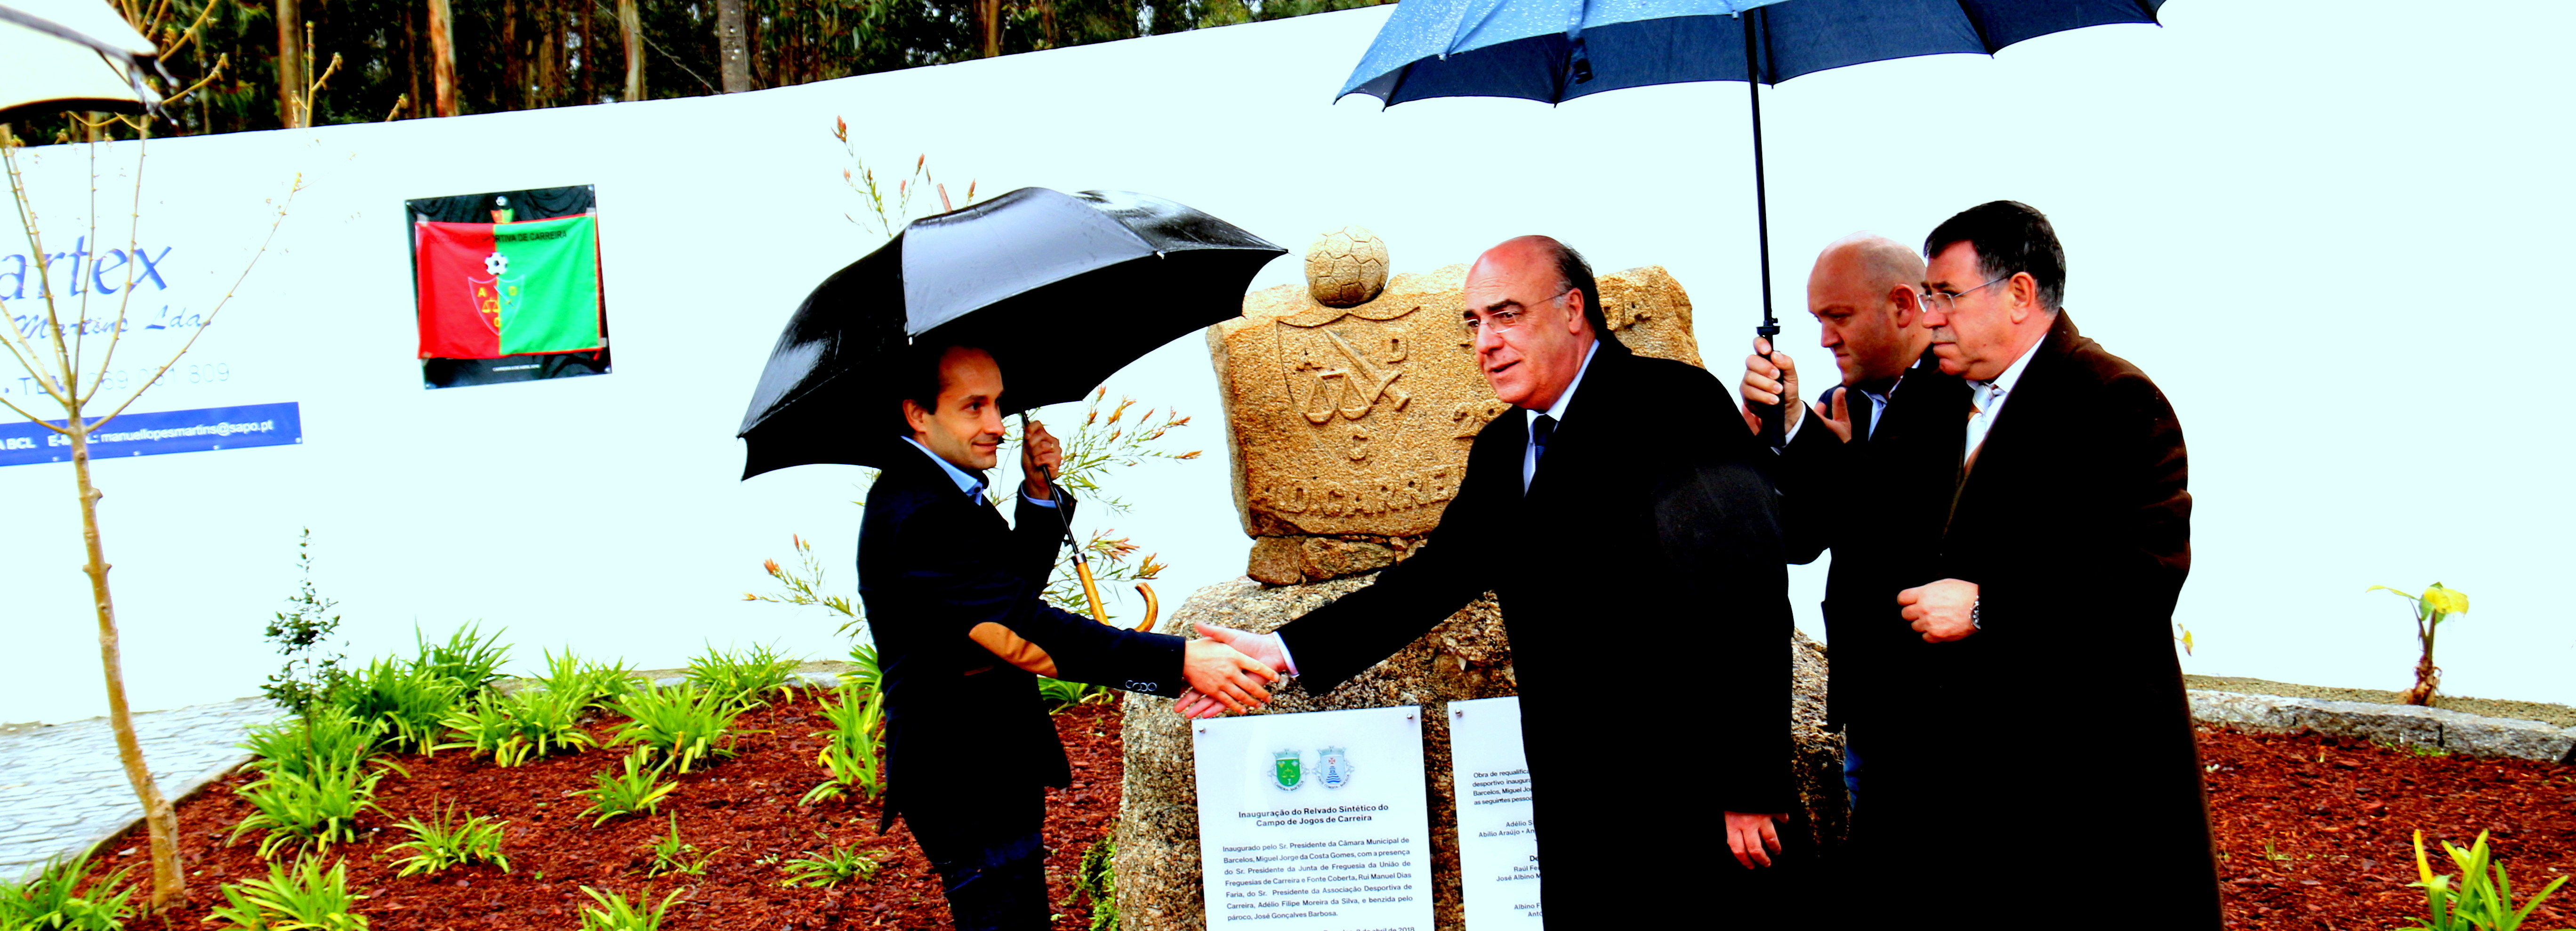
{"x": 2431, "y": 607}
{"x": 467, "y": 657}
{"x": 639, "y": 790}
{"x": 1060, "y": 694}
{"x": 2484, "y": 899}
{"x": 443, "y": 841}
{"x": 855, "y": 754}
{"x": 308, "y": 678}
{"x": 293, "y": 899}
{"x": 599, "y": 686}
{"x": 804, "y": 586}
{"x": 673, "y": 855}
{"x": 411, "y": 703}
{"x": 52, "y": 899}
{"x": 326, "y": 735}
{"x": 615, "y": 913}
{"x": 742, "y": 678}
{"x": 319, "y": 807}
{"x": 1097, "y": 878}
{"x": 527, "y": 724}
{"x": 682, "y": 724}
{"x": 834, "y": 865}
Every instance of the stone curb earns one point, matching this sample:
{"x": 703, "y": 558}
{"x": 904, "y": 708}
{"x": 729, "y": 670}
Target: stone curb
{"x": 182, "y": 792}
{"x": 2438, "y": 728}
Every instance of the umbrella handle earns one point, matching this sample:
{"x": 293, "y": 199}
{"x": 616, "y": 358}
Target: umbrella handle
{"x": 1153, "y": 606}
{"x": 1773, "y": 415}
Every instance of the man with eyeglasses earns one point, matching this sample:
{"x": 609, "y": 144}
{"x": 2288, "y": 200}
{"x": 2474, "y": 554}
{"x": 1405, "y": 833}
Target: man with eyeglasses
{"x": 1603, "y": 511}
{"x": 1847, "y": 485}
{"x": 2062, "y": 539}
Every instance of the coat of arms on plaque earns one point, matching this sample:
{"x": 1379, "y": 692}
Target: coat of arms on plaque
{"x": 1335, "y": 767}
{"x": 1288, "y": 769}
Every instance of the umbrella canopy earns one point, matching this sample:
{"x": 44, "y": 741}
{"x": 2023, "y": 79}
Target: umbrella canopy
{"x": 1063, "y": 289}
{"x": 58, "y": 55}
{"x": 1558, "y": 50}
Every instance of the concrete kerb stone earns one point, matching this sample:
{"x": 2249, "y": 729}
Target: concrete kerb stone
{"x": 2409, "y": 725}
{"x": 183, "y": 792}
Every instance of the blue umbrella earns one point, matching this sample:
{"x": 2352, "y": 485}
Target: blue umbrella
{"x": 1558, "y": 50}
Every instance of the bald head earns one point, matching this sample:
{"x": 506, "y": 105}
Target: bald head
{"x": 1862, "y": 293}
{"x": 1533, "y": 308}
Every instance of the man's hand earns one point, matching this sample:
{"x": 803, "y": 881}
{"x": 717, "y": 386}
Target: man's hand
{"x": 1039, "y": 448}
{"x": 1838, "y": 419}
{"x": 1196, "y": 704}
{"x": 1942, "y": 611}
{"x": 1262, "y": 647}
{"x": 1768, "y": 381}
{"x": 1225, "y": 674}
{"x": 1752, "y": 839}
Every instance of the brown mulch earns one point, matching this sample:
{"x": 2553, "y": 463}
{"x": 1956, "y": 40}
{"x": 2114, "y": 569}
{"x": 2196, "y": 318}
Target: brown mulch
{"x": 2317, "y": 832}
{"x": 2313, "y": 832}
{"x": 743, "y": 810}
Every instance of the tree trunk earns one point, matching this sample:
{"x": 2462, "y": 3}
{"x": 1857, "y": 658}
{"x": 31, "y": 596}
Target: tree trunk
{"x": 630, "y": 27}
{"x": 514, "y": 72}
{"x": 589, "y": 60}
{"x": 411, "y": 60}
{"x": 549, "y": 82}
{"x": 731, "y": 59}
{"x": 160, "y": 820}
{"x": 992, "y": 15}
{"x": 291, "y": 106}
{"x": 442, "y": 57}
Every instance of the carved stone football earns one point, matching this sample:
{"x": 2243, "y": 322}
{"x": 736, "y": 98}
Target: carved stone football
{"x": 1346, "y": 267}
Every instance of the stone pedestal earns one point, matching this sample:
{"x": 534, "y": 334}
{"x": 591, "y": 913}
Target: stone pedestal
{"x": 1465, "y": 657}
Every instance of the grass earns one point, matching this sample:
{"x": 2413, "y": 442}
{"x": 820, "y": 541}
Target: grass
{"x": 327, "y": 735}
{"x": 53, "y": 899}
{"x": 638, "y": 791}
{"x": 599, "y": 686}
{"x": 444, "y": 841}
{"x": 409, "y": 703}
{"x": 318, "y": 808}
{"x": 523, "y": 726}
{"x": 673, "y": 855}
{"x": 831, "y": 867}
{"x": 615, "y": 913}
{"x": 683, "y": 724}
{"x": 855, "y": 754}
{"x": 467, "y": 658}
{"x": 293, "y": 899}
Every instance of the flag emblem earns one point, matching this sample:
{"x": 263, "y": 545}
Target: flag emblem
{"x": 1288, "y": 769}
{"x": 1336, "y": 767}
{"x": 489, "y": 290}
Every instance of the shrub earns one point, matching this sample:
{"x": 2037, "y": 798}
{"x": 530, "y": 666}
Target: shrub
{"x": 318, "y": 808}
{"x": 410, "y": 703}
{"x": 599, "y": 686}
{"x": 528, "y": 724}
{"x": 443, "y": 841}
{"x": 52, "y": 899}
{"x": 639, "y": 790}
{"x": 742, "y": 678}
{"x": 309, "y": 676}
{"x": 1097, "y": 878}
{"x": 327, "y": 735}
{"x": 672, "y": 855}
{"x": 466, "y": 657}
{"x": 303, "y": 897}
{"x": 2484, "y": 899}
{"x": 682, "y": 724}
{"x": 855, "y": 754}
{"x": 616, "y": 914}
{"x": 832, "y": 866}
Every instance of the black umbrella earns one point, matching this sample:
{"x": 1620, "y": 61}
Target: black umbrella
{"x": 1063, "y": 289}
{"x": 1558, "y": 50}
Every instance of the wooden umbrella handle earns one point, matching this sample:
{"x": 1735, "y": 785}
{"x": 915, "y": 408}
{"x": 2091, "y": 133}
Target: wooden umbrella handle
{"x": 1152, "y": 606}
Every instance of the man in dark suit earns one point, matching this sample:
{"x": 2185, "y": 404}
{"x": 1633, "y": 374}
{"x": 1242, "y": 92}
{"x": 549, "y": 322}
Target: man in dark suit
{"x": 1610, "y": 519}
{"x": 2063, "y": 537}
{"x": 1850, "y": 490}
{"x": 952, "y": 595}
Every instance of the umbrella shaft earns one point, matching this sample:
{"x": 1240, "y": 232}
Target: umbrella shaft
{"x": 1761, "y": 202}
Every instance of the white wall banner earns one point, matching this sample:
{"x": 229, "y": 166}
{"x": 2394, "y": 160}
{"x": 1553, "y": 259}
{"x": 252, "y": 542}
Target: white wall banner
{"x": 1315, "y": 822}
{"x": 1497, "y": 841}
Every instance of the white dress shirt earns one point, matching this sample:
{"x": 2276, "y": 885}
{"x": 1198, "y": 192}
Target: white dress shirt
{"x": 1989, "y": 398}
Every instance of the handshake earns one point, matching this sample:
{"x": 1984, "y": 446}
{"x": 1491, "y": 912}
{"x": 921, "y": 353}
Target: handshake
{"x": 1227, "y": 669}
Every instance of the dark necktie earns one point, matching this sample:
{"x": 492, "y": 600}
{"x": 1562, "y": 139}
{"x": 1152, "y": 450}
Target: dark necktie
{"x": 1540, "y": 430}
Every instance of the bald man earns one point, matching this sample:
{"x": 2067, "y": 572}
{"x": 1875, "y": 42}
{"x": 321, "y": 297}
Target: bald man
{"x": 1638, "y": 561}
{"x": 1849, "y": 492}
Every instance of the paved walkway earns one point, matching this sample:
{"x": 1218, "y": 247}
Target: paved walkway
{"x": 62, "y": 789}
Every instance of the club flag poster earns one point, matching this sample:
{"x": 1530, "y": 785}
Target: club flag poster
{"x": 489, "y": 290}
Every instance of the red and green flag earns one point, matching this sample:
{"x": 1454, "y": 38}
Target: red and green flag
{"x": 489, "y": 290}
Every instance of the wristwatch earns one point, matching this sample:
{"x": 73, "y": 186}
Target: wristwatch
{"x": 1974, "y": 621}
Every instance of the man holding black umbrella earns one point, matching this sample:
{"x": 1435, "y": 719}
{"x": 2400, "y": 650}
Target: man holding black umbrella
{"x": 952, "y": 595}
{"x": 1605, "y": 503}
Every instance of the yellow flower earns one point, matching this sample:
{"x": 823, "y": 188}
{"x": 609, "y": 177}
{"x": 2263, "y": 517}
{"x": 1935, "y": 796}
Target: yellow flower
{"x": 2441, "y": 600}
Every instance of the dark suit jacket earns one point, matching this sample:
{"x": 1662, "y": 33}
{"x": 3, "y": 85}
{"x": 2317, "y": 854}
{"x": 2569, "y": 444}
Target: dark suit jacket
{"x": 2066, "y": 710}
{"x": 1643, "y": 589}
{"x": 1861, "y": 500}
{"x": 933, "y": 563}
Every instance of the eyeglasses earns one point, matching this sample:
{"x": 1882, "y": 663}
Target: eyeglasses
{"x": 1507, "y": 317}
{"x": 1943, "y": 301}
